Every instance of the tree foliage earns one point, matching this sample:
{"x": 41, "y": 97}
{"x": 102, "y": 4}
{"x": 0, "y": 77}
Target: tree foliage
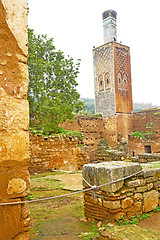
{"x": 90, "y": 105}
{"x": 52, "y": 90}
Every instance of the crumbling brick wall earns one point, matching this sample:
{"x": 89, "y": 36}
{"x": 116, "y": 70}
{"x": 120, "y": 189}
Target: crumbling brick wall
{"x": 130, "y": 197}
{"x": 14, "y": 119}
{"x": 145, "y": 121}
{"x": 91, "y": 129}
{"x": 59, "y": 152}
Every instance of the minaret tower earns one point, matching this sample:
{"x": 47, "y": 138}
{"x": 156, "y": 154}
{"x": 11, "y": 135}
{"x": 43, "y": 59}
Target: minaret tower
{"x": 109, "y": 25}
{"x": 112, "y": 72}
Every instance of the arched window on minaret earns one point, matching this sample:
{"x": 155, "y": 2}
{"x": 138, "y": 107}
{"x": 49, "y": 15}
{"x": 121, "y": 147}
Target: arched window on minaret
{"x": 119, "y": 78}
{"x": 106, "y": 80}
{"x": 125, "y": 79}
{"x": 101, "y": 82}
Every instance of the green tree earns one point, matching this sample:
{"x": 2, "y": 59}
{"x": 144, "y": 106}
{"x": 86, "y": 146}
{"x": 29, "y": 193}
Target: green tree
{"x": 52, "y": 90}
{"x": 90, "y": 105}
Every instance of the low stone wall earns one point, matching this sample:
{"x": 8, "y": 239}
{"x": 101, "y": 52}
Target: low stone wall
{"x": 146, "y": 158}
{"x": 135, "y": 195}
{"x": 64, "y": 153}
{"x": 105, "y": 153}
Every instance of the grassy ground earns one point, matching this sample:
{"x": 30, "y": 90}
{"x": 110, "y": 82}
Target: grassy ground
{"x": 55, "y": 218}
{"x": 60, "y": 218}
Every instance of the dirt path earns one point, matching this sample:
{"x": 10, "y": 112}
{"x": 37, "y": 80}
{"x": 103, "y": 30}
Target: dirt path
{"x": 71, "y": 181}
{"x": 151, "y": 223}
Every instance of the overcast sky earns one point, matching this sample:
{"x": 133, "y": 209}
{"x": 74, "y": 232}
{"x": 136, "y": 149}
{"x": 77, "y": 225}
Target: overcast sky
{"x": 76, "y": 26}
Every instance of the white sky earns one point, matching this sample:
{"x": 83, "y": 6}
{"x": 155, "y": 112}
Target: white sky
{"x": 76, "y": 26}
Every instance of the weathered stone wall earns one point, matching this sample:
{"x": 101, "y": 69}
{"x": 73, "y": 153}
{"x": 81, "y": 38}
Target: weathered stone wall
{"x": 137, "y": 146}
{"x": 146, "y": 121}
{"x": 14, "y": 119}
{"x": 91, "y": 129}
{"x": 105, "y": 153}
{"x": 135, "y": 195}
{"x": 64, "y": 153}
{"x": 150, "y": 116}
{"x": 117, "y": 127}
{"x": 72, "y": 125}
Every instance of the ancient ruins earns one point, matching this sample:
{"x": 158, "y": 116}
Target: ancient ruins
{"x": 133, "y": 196}
{"x": 107, "y": 137}
{"x": 113, "y": 100}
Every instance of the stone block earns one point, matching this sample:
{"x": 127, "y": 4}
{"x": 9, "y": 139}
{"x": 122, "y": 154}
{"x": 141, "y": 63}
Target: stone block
{"x": 102, "y": 173}
{"x": 14, "y": 146}
{"x": 107, "y": 172}
{"x": 14, "y": 112}
{"x": 127, "y": 202}
{"x": 134, "y": 183}
{"x": 112, "y": 204}
{"x": 138, "y": 196}
{"x": 14, "y": 183}
{"x": 129, "y": 167}
{"x": 25, "y": 212}
{"x": 157, "y": 184}
{"x": 142, "y": 189}
{"x": 138, "y": 206}
{"x": 150, "y": 186}
{"x": 117, "y": 215}
{"x": 150, "y": 200}
{"x": 89, "y": 199}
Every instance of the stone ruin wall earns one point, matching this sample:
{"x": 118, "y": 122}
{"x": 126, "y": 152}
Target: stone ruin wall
{"x": 14, "y": 120}
{"x": 130, "y": 197}
{"x": 64, "y": 153}
{"x": 91, "y": 129}
{"x": 117, "y": 127}
{"x": 114, "y": 128}
{"x": 140, "y": 121}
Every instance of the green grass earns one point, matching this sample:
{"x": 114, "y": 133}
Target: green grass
{"x": 157, "y": 209}
{"x": 44, "y": 185}
{"x": 94, "y": 232}
{"x": 134, "y": 220}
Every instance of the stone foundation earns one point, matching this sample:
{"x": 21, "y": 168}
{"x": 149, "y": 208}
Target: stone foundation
{"x": 136, "y": 195}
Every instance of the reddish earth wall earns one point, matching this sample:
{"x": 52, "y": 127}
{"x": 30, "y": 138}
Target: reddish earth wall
{"x": 146, "y": 121}
{"x": 116, "y": 127}
{"x": 91, "y": 129}
{"x": 64, "y": 153}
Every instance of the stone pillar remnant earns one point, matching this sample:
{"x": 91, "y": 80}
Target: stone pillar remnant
{"x": 14, "y": 119}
